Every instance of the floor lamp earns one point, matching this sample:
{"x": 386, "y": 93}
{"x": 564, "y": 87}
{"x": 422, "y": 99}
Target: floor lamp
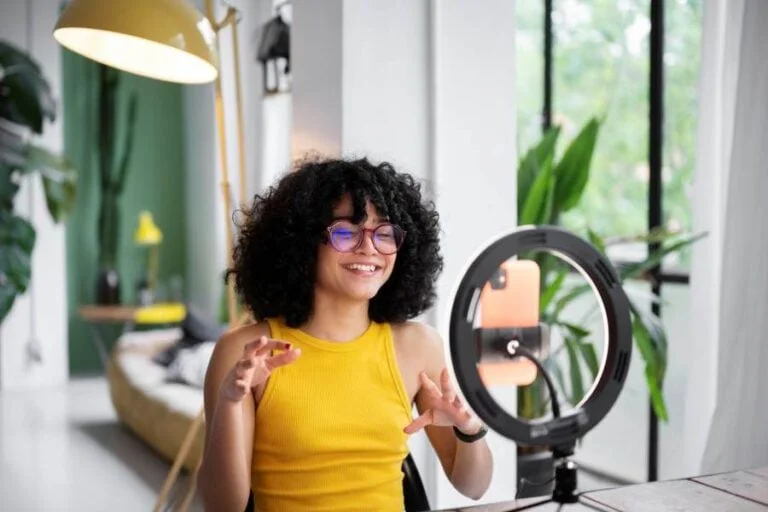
{"x": 167, "y": 40}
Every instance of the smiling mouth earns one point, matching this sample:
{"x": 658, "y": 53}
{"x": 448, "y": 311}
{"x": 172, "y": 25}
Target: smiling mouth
{"x": 364, "y": 269}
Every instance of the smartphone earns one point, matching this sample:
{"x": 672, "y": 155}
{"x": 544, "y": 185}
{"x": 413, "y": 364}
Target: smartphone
{"x": 510, "y": 298}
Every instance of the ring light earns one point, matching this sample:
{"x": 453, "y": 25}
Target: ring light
{"x": 466, "y": 341}
{"x": 615, "y": 308}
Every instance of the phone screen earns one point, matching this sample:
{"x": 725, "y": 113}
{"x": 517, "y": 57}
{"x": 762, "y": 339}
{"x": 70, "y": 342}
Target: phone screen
{"x": 510, "y": 298}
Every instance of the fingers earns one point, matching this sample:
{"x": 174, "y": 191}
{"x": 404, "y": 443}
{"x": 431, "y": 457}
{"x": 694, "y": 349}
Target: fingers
{"x": 445, "y": 385}
{"x": 419, "y": 423}
{"x": 429, "y": 385}
{"x": 242, "y": 386}
{"x": 282, "y": 359}
{"x": 264, "y": 345}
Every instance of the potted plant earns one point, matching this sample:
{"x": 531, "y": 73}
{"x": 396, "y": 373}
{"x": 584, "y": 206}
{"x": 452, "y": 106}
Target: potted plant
{"x": 548, "y": 187}
{"x": 112, "y": 171}
{"x": 26, "y": 103}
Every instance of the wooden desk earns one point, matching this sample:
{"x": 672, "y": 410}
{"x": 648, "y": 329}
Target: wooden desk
{"x": 129, "y": 317}
{"x": 736, "y": 491}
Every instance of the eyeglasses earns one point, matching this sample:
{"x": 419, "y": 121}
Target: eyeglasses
{"x": 347, "y": 237}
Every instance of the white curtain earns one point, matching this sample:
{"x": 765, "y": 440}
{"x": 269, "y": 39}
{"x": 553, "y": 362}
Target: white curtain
{"x": 727, "y": 405}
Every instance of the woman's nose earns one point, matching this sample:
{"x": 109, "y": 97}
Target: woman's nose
{"x": 367, "y": 246}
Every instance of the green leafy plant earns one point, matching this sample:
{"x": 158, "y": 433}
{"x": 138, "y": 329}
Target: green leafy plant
{"x": 26, "y": 103}
{"x": 548, "y": 187}
{"x": 113, "y": 168}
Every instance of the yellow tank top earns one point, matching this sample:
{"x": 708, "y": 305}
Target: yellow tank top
{"x": 329, "y": 427}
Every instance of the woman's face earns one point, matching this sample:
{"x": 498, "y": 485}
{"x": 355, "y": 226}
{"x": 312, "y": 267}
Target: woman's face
{"x": 359, "y": 273}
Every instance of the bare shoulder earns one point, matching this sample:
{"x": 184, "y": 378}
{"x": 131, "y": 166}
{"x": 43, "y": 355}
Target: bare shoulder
{"x": 417, "y": 339}
{"x": 237, "y": 337}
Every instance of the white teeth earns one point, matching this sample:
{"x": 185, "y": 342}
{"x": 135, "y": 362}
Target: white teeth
{"x": 364, "y": 268}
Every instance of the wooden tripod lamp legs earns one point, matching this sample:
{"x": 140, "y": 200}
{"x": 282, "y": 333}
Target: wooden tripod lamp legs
{"x": 176, "y": 467}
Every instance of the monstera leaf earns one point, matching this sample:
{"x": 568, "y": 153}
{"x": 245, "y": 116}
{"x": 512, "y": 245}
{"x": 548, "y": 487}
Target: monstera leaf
{"x": 17, "y": 240}
{"x": 26, "y": 95}
{"x": 26, "y": 103}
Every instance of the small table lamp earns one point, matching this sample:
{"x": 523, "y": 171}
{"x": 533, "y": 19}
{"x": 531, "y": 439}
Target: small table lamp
{"x": 149, "y": 235}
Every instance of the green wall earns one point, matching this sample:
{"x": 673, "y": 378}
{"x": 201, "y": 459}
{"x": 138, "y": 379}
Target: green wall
{"x": 154, "y": 183}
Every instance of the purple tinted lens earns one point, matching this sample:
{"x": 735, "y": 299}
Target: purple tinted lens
{"x": 344, "y": 238}
{"x": 387, "y": 239}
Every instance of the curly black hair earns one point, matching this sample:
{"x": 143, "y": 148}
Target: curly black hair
{"x": 275, "y": 258}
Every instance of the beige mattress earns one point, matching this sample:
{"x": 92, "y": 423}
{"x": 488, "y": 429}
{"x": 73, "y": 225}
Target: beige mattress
{"x": 157, "y": 411}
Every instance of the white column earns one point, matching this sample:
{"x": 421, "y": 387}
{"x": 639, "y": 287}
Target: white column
{"x": 475, "y": 163}
{"x": 407, "y": 82}
{"x": 41, "y": 314}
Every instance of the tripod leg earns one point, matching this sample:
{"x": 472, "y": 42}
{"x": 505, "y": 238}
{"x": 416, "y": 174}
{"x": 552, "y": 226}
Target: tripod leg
{"x": 585, "y": 503}
{"x": 191, "y": 489}
{"x": 183, "y": 451}
{"x": 532, "y": 505}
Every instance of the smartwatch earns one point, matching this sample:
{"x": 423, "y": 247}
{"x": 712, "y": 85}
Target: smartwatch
{"x": 470, "y": 438}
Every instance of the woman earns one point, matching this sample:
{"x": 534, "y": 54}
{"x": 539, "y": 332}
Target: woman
{"x": 311, "y": 406}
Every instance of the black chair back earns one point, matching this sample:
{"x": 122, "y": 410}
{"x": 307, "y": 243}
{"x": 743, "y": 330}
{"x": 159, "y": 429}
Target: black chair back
{"x": 413, "y": 488}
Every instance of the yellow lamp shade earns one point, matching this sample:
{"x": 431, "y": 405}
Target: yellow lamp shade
{"x": 147, "y": 233}
{"x": 167, "y": 40}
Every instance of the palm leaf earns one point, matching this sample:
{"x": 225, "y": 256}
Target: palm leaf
{"x": 532, "y": 163}
{"x": 654, "y": 259}
{"x": 596, "y": 240}
{"x": 572, "y": 172}
{"x": 574, "y": 369}
{"x": 552, "y": 288}
{"x": 651, "y": 341}
{"x": 537, "y": 208}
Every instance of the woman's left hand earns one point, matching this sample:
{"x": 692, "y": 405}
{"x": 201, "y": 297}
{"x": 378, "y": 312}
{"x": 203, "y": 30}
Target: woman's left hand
{"x": 443, "y": 407}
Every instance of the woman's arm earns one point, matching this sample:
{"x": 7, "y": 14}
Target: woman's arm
{"x": 240, "y": 365}
{"x": 224, "y": 476}
{"x": 469, "y": 466}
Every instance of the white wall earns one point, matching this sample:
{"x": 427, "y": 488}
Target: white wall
{"x": 316, "y": 55}
{"x": 41, "y": 314}
{"x": 204, "y": 200}
{"x": 474, "y": 164}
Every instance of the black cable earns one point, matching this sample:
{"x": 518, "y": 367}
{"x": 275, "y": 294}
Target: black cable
{"x": 515, "y": 349}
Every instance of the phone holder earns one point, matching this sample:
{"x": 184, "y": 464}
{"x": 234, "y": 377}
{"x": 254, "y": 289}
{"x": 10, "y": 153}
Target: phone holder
{"x": 559, "y": 432}
{"x": 493, "y": 342}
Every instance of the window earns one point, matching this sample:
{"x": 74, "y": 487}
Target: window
{"x": 601, "y": 65}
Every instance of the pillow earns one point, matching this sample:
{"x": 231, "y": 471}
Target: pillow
{"x": 190, "y": 364}
{"x": 195, "y": 329}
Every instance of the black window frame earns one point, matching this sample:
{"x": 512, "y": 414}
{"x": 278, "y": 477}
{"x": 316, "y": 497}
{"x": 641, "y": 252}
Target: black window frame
{"x": 657, "y": 276}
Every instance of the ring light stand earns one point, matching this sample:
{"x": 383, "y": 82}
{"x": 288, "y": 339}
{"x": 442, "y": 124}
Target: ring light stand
{"x": 468, "y": 344}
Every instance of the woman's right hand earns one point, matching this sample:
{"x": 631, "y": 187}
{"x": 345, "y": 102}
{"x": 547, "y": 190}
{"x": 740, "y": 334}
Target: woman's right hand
{"x": 255, "y": 366}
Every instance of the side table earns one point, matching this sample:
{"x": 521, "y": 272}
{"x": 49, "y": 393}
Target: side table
{"x": 156, "y": 314}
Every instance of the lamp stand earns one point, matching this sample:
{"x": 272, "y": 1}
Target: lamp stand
{"x": 231, "y": 19}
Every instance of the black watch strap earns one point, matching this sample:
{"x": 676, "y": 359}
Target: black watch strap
{"x": 470, "y": 438}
